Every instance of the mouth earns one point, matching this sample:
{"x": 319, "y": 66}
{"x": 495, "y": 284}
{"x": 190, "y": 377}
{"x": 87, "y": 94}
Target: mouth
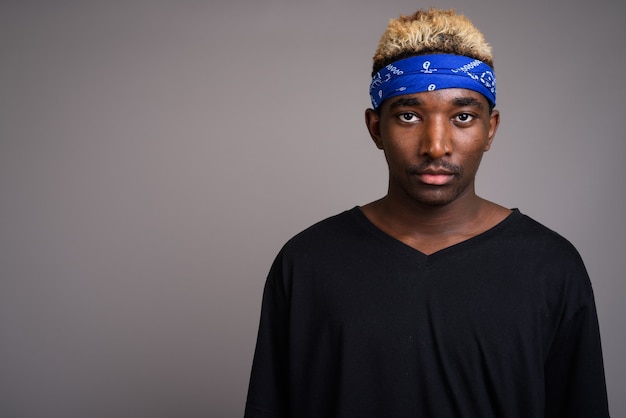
{"x": 435, "y": 173}
{"x": 435, "y": 178}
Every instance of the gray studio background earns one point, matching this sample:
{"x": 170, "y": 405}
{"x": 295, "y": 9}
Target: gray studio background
{"x": 155, "y": 155}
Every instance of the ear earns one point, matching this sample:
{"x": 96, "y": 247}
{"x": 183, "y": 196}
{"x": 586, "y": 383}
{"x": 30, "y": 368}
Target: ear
{"x": 372, "y": 121}
{"x": 494, "y": 122}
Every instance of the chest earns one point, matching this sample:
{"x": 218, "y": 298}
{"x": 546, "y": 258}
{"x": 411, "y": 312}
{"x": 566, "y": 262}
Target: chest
{"x": 460, "y": 306}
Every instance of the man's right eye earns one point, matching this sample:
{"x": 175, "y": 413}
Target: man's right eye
{"x": 408, "y": 117}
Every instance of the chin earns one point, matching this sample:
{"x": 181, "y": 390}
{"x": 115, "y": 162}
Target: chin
{"x": 437, "y": 199}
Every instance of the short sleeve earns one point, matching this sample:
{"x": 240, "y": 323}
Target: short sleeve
{"x": 574, "y": 370}
{"x": 268, "y": 389}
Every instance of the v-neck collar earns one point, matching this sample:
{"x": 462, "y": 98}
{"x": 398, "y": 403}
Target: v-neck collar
{"x": 398, "y": 247}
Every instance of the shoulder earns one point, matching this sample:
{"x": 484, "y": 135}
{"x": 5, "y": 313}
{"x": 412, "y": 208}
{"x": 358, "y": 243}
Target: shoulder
{"x": 322, "y": 246}
{"x": 549, "y": 257}
{"x": 534, "y": 237}
{"x": 338, "y": 241}
{"x": 339, "y": 227}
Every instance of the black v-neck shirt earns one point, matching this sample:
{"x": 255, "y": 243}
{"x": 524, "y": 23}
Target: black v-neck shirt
{"x": 356, "y": 323}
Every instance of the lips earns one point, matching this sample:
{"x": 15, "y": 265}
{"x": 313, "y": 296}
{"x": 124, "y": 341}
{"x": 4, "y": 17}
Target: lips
{"x": 435, "y": 173}
{"x": 435, "y": 178}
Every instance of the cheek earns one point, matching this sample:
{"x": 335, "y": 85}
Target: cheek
{"x": 471, "y": 161}
{"x": 472, "y": 144}
{"x": 391, "y": 157}
{"x": 398, "y": 155}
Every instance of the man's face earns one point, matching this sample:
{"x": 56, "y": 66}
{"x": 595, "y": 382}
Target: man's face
{"x": 433, "y": 143}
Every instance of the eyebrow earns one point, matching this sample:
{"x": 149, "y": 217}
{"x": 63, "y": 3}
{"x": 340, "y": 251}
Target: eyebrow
{"x": 405, "y": 101}
{"x": 468, "y": 101}
{"x": 457, "y": 101}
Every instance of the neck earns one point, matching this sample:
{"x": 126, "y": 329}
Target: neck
{"x": 432, "y": 228}
{"x": 410, "y": 217}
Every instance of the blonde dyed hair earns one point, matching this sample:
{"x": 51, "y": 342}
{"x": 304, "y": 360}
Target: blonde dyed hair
{"x": 431, "y": 32}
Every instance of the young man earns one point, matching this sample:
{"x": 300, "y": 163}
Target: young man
{"x": 430, "y": 302}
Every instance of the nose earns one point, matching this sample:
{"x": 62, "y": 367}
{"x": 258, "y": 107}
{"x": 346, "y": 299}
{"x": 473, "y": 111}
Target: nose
{"x": 435, "y": 141}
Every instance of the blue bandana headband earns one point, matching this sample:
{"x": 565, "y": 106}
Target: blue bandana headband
{"x": 433, "y": 72}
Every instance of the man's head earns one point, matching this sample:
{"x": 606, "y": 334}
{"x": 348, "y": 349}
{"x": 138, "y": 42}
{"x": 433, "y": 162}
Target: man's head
{"x": 433, "y": 94}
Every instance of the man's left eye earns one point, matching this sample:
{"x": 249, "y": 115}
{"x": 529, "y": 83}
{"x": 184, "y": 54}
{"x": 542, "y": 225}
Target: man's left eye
{"x": 464, "y": 117}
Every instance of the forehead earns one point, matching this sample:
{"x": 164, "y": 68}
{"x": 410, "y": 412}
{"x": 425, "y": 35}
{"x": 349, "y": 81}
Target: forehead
{"x": 453, "y": 97}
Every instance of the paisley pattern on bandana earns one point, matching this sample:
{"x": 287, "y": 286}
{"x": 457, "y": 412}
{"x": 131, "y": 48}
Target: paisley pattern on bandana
{"x": 433, "y": 72}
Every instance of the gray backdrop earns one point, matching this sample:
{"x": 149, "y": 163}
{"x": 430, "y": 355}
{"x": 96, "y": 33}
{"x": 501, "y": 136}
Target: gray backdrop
{"x": 155, "y": 155}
